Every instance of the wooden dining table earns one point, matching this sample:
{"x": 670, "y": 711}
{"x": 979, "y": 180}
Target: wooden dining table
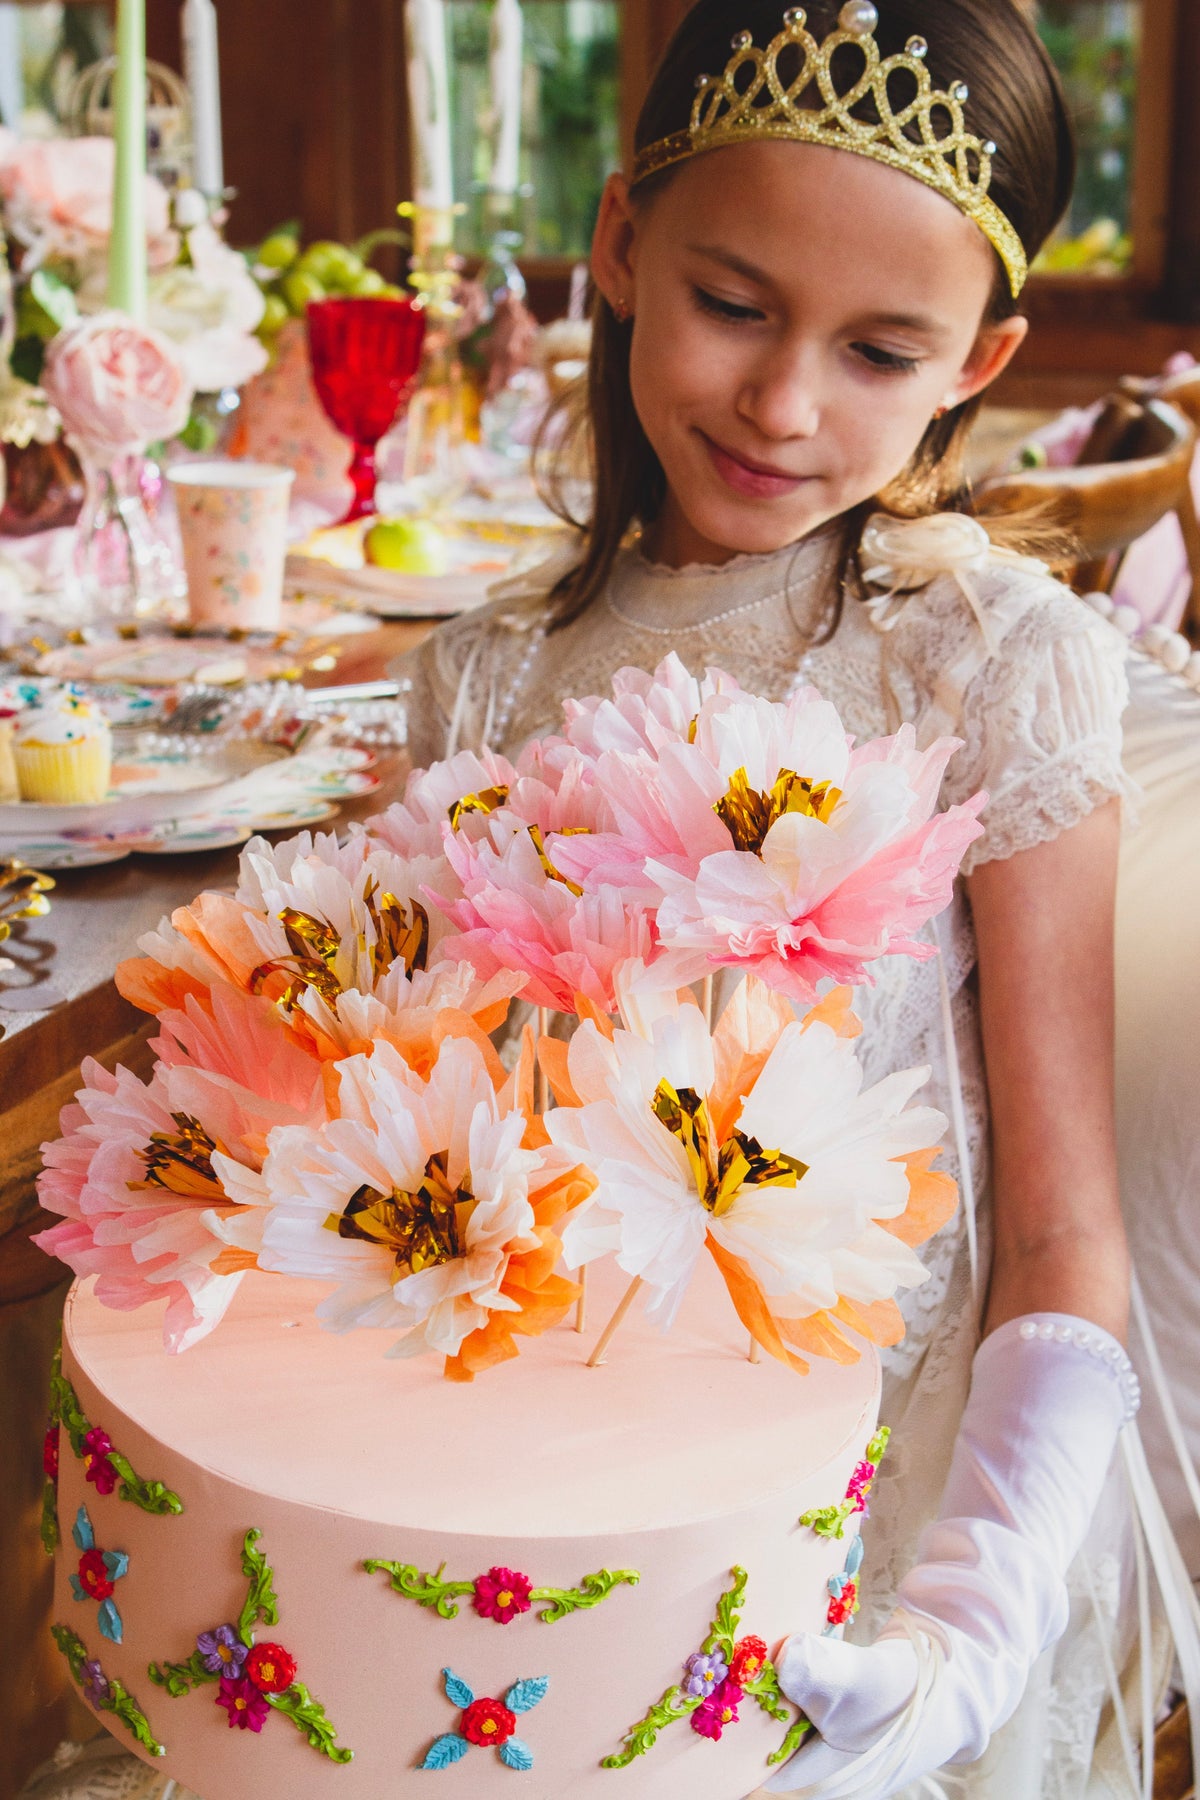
{"x": 58, "y": 1006}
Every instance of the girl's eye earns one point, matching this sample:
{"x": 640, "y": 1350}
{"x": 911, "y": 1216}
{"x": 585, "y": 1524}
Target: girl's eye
{"x": 725, "y": 309}
{"x": 890, "y": 362}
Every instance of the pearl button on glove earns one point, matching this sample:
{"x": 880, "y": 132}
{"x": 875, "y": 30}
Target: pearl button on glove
{"x": 1049, "y": 1395}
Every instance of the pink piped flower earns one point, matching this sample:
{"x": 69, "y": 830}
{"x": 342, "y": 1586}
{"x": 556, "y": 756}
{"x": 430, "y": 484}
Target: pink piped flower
{"x": 860, "y": 1485}
{"x": 246, "y": 1707}
{"x": 502, "y": 1594}
{"x": 96, "y": 1465}
{"x": 721, "y": 1709}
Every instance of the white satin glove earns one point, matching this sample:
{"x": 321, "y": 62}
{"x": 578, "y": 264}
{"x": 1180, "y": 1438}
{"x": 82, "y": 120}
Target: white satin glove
{"x": 1049, "y": 1395}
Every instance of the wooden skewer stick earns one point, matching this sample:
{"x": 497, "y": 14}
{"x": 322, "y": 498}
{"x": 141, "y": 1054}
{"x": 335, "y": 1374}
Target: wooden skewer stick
{"x": 755, "y": 1349}
{"x": 614, "y": 1324}
{"x": 541, "y": 1087}
{"x": 581, "y": 1303}
{"x": 708, "y": 1001}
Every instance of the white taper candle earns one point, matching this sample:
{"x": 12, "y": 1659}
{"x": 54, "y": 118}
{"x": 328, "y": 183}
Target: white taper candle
{"x": 429, "y": 101}
{"x": 507, "y": 78}
{"x": 202, "y": 71}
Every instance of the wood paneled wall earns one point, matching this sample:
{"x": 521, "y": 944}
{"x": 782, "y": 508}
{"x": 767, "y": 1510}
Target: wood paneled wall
{"x": 315, "y": 111}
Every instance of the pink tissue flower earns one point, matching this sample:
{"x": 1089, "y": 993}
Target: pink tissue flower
{"x": 157, "y": 1183}
{"x": 119, "y": 386}
{"x": 768, "y": 843}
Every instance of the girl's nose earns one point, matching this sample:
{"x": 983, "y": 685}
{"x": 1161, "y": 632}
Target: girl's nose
{"x": 780, "y": 397}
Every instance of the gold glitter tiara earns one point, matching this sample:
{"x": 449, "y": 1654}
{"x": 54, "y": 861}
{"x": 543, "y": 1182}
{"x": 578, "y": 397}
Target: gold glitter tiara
{"x": 729, "y": 109}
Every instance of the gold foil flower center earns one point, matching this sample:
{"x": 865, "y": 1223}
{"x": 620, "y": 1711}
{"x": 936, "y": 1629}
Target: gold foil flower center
{"x": 486, "y": 801}
{"x": 401, "y": 935}
{"x": 720, "y": 1171}
{"x": 749, "y": 814}
{"x": 421, "y": 1229}
{"x": 554, "y": 874}
{"x": 180, "y": 1162}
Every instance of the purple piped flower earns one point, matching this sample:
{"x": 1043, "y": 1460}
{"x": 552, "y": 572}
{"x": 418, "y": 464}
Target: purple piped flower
{"x": 222, "y": 1651}
{"x": 94, "y": 1682}
{"x": 705, "y": 1671}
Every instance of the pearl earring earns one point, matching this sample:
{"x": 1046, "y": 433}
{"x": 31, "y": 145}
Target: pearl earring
{"x": 623, "y": 311}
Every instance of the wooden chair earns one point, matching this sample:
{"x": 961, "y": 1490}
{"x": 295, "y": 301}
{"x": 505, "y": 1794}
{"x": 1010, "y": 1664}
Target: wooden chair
{"x": 1134, "y": 469}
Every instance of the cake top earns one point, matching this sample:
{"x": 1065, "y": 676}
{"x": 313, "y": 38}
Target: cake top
{"x": 543, "y": 1448}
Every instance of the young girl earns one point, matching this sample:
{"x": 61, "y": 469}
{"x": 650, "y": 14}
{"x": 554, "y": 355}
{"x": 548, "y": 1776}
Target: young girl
{"x": 800, "y": 300}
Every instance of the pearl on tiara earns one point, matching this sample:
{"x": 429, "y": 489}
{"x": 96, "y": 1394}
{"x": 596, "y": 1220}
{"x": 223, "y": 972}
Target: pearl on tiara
{"x": 858, "y": 17}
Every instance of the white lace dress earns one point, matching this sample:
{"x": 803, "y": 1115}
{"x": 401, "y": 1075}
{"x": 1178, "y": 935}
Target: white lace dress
{"x": 1041, "y": 721}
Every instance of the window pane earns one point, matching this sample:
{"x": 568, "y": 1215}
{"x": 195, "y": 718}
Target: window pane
{"x": 570, "y": 139}
{"x": 42, "y": 48}
{"x": 1096, "y": 45}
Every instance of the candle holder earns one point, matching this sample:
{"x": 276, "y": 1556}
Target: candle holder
{"x": 437, "y": 415}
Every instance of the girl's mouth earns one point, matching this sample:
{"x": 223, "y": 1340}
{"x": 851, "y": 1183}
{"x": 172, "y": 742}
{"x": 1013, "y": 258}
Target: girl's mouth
{"x": 753, "y": 480}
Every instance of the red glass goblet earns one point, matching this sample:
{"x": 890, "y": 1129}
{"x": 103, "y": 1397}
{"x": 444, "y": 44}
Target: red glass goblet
{"x": 365, "y": 354}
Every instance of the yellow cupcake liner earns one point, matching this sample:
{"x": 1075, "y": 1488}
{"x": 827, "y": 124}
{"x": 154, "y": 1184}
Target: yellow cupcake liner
{"x": 8, "y": 768}
{"x": 64, "y": 774}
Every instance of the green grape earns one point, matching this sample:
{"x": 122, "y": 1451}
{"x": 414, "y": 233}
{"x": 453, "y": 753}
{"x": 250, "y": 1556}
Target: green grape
{"x": 279, "y": 251}
{"x": 299, "y": 288}
{"x": 369, "y": 282}
{"x": 275, "y": 315}
{"x": 333, "y": 265}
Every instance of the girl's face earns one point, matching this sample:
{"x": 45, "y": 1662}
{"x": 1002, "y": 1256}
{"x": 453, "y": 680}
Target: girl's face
{"x": 800, "y": 314}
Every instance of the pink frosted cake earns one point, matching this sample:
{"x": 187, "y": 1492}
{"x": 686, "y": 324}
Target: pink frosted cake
{"x": 561, "y": 1577}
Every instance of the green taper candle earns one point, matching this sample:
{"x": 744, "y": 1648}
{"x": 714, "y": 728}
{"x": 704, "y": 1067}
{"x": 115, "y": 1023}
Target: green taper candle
{"x": 127, "y": 247}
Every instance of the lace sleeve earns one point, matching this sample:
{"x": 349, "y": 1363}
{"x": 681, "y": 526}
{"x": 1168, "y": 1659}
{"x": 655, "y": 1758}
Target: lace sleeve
{"x": 1040, "y": 715}
{"x": 463, "y": 681}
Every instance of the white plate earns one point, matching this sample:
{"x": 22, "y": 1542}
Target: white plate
{"x": 148, "y": 786}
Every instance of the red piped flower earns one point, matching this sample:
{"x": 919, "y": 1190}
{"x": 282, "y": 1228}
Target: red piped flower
{"x": 843, "y": 1606}
{"x": 50, "y": 1452}
{"x": 97, "y": 1468}
{"x": 271, "y": 1668}
{"x": 247, "y": 1708}
{"x": 501, "y": 1594}
{"x": 719, "y": 1710}
{"x": 94, "y": 1577}
{"x": 488, "y": 1723}
{"x": 749, "y": 1659}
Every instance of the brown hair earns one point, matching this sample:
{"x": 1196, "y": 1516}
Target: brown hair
{"x": 1016, "y": 100}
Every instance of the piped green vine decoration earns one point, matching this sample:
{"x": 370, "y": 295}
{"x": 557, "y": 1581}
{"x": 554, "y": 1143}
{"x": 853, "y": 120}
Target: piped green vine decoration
{"x": 107, "y": 1467}
{"x": 106, "y": 1695}
{"x": 501, "y": 1594}
{"x": 251, "y": 1677}
{"x": 831, "y": 1521}
{"x": 722, "y": 1674}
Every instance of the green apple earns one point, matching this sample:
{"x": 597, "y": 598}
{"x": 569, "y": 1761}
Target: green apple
{"x": 407, "y": 547}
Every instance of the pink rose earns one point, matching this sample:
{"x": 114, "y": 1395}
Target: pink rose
{"x": 119, "y": 386}
{"x": 58, "y": 195}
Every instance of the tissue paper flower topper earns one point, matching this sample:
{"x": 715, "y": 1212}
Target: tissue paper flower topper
{"x": 150, "y": 1177}
{"x": 342, "y": 937}
{"x": 760, "y": 1144}
{"x": 435, "y": 1204}
{"x": 766, "y": 842}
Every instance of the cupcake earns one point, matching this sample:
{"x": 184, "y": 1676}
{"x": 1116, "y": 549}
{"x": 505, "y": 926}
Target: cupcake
{"x": 63, "y": 751}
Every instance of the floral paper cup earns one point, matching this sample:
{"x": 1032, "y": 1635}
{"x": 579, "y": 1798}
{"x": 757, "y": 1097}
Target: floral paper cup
{"x": 233, "y": 522}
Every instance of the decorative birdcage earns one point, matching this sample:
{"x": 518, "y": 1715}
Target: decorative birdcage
{"x": 88, "y": 112}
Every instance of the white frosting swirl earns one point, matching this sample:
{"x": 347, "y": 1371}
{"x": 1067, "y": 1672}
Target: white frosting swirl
{"x": 65, "y": 718}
